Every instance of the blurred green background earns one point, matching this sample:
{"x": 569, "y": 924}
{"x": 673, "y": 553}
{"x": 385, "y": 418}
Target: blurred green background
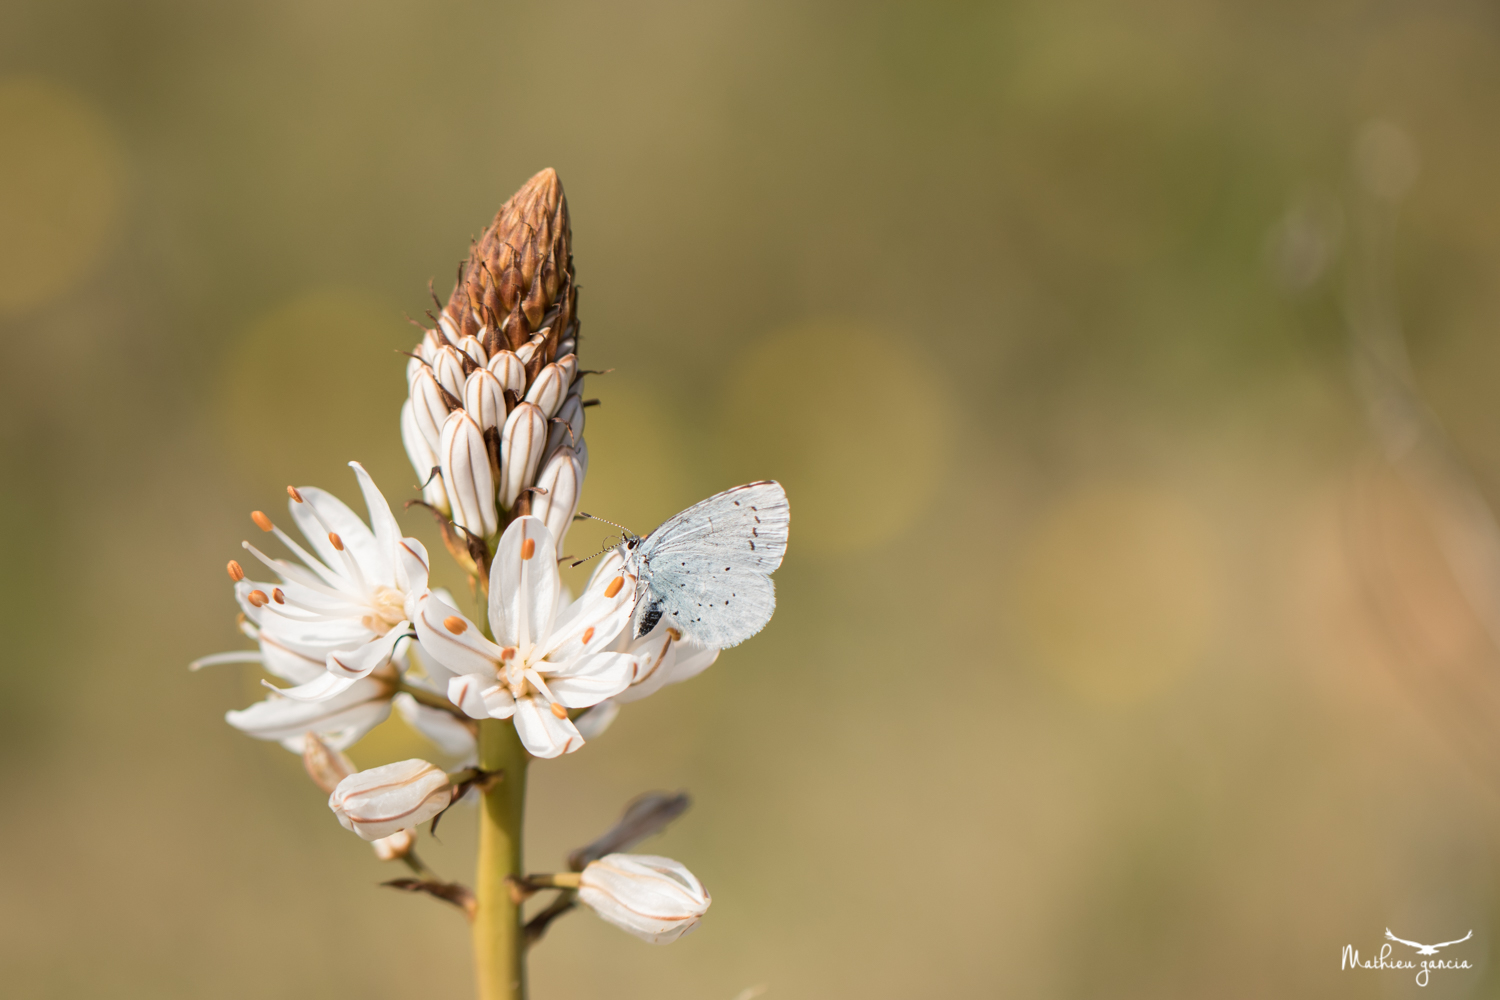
{"x": 1113, "y": 659}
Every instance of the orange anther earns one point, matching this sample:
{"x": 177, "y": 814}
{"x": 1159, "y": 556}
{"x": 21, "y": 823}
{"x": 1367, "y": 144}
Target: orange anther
{"x": 507, "y": 653}
{"x": 257, "y": 598}
{"x": 236, "y": 571}
{"x": 261, "y": 521}
{"x": 588, "y": 634}
{"x": 291, "y": 491}
{"x": 278, "y": 596}
{"x": 455, "y": 624}
{"x": 559, "y": 711}
{"x": 338, "y": 542}
{"x": 528, "y": 548}
{"x": 614, "y": 586}
{"x": 676, "y": 635}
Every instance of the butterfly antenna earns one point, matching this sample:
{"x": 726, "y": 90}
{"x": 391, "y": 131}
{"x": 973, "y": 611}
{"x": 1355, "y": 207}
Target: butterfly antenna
{"x": 591, "y": 517}
{"x": 627, "y": 534}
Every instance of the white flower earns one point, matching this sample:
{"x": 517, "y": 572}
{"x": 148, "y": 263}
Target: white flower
{"x": 654, "y": 898}
{"x": 385, "y": 800}
{"x": 659, "y": 658}
{"x": 337, "y": 617}
{"x": 545, "y": 658}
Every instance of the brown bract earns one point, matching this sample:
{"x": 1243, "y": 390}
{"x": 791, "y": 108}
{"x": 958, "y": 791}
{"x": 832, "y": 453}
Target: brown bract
{"x": 519, "y": 275}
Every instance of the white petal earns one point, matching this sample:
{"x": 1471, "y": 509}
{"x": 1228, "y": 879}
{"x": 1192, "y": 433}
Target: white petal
{"x": 322, "y": 513}
{"x": 524, "y": 584}
{"x": 323, "y": 688}
{"x": 590, "y": 680}
{"x": 411, "y": 568}
{"x": 466, "y": 651}
{"x": 340, "y": 720}
{"x": 217, "y": 659}
{"x": 382, "y": 522}
{"x": 593, "y": 621}
{"x": 475, "y": 695}
{"x": 542, "y": 733}
{"x": 373, "y": 655}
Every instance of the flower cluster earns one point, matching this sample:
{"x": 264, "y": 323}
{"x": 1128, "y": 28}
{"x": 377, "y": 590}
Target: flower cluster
{"x": 347, "y": 626}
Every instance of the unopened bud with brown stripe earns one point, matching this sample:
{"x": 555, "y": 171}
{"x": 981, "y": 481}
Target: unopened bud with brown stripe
{"x": 548, "y": 389}
{"x": 429, "y": 406}
{"x": 521, "y": 446}
{"x": 484, "y": 399}
{"x": 566, "y": 428}
{"x": 465, "y": 462}
{"x": 448, "y": 367}
{"x": 562, "y": 478}
{"x": 510, "y": 371}
{"x": 385, "y": 800}
{"x": 423, "y": 459}
{"x": 654, "y": 898}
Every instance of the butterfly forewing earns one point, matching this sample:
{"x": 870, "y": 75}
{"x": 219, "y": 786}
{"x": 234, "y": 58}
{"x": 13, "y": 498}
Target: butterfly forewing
{"x": 706, "y": 570}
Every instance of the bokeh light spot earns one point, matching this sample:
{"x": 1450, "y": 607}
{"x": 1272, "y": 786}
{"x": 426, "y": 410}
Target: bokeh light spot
{"x": 1118, "y": 592}
{"x": 853, "y": 424}
{"x": 61, "y": 177}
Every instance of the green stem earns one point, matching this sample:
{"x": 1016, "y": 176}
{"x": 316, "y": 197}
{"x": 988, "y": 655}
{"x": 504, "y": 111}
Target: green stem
{"x": 499, "y": 940}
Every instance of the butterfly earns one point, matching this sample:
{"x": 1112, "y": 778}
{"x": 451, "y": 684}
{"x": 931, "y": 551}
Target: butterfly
{"x": 707, "y": 571}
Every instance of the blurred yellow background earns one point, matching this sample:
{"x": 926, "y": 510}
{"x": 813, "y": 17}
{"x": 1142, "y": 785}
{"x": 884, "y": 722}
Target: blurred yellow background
{"x": 1118, "y": 654}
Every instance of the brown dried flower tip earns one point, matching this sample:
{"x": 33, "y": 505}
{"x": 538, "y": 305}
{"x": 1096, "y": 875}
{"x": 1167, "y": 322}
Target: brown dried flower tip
{"x": 518, "y": 279}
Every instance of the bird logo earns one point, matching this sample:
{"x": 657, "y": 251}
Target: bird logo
{"x": 1425, "y": 949}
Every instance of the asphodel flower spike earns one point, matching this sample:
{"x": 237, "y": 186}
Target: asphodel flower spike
{"x": 503, "y": 351}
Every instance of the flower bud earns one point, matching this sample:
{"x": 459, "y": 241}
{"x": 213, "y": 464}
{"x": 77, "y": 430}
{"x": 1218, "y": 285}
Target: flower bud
{"x": 562, "y": 478}
{"x": 509, "y": 369}
{"x": 449, "y": 369}
{"x": 429, "y": 409}
{"x": 566, "y": 347}
{"x": 466, "y": 473}
{"x": 484, "y": 398}
{"x": 385, "y": 800}
{"x": 548, "y": 390}
{"x": 474, "y": 349}
{"x": 569, "y": 365}
{"x": 521, "y": 445}
{"x": 423, "y": 458}
{"x": 325, "y": 765}
{"x": 395, "y": 847}
{"x": 656, "y": 899}
{"x": 567, "y": 427}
